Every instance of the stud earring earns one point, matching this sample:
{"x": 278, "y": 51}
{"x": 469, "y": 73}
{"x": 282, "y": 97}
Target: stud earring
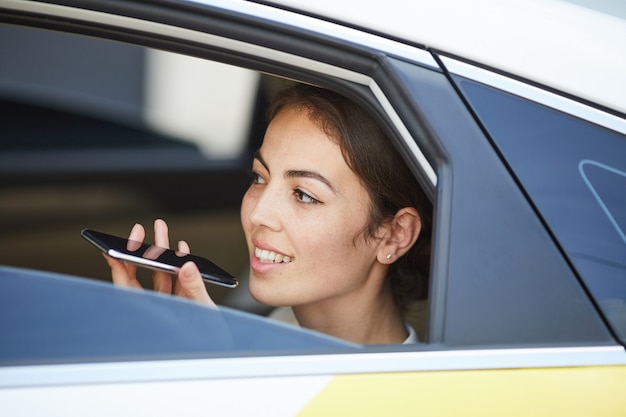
{"x": 389, "y": 256}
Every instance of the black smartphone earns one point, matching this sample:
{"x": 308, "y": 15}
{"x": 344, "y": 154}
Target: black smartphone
{"x": 156, "y": 257}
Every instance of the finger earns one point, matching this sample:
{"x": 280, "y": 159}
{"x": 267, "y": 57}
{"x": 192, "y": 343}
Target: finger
{"x": 183, "y": 250}
{"x": 161, "y": 236}
{"x": 153, "y": 252}
{"x": 183, "y": 247}
{"x": 191, "y": 286}
{"x": 137, "y": 233}
{"x": 136, "y": 237}
{"x": 161, "y": 281}
{"x": 120, "y": 274}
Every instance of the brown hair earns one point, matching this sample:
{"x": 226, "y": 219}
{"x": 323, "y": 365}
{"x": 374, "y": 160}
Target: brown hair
{"x": 369, "y": 153}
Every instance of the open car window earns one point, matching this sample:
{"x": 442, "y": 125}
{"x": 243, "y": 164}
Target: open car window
{"x": 104, "y": 134}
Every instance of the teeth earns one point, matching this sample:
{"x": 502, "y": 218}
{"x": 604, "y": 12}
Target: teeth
{"x": 267, "y": 256}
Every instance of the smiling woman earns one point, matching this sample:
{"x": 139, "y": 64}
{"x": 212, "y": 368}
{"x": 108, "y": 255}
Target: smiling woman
{"x": 332, "y": 219}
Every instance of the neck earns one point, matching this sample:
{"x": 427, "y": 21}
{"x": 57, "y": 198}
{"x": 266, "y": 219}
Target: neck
{"x": 363, "y": 320}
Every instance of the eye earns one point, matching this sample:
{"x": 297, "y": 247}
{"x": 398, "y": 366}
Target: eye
{"x": 305, "y": 198}
{"x": 256, "y": 178}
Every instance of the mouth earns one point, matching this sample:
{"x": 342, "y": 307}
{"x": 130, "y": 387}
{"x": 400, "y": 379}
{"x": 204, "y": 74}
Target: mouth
{"x": 271, "y": 257}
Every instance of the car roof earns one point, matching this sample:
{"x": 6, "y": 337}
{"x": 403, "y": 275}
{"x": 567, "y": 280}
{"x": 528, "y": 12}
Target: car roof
{"x": 577, "y": 49}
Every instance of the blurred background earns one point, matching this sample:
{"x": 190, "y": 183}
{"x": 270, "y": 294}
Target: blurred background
{"x": 102, "y": 135}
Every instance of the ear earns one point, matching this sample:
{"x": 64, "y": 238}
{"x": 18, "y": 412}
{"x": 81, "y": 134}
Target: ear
{"x": 400, "y": 235}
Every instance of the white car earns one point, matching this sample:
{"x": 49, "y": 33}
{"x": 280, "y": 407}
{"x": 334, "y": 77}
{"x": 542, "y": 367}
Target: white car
{"x": 512, "y": 115}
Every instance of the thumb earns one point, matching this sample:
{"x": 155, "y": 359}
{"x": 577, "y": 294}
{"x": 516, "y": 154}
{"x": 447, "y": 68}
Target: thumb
{"x": 191, "y": 286}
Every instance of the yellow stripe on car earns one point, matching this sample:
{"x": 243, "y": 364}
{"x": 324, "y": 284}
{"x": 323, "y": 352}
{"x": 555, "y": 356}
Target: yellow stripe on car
{"x": 578, "y": 391}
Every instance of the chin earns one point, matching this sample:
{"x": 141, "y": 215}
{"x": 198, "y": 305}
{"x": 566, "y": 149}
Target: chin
{"x": 266, "y": 295}
{"x": 261, "y": 293}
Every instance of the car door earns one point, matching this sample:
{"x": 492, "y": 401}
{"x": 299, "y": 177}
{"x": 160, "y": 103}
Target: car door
{"x": 508, "y": 326}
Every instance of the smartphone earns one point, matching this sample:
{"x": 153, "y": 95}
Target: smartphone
{"x": 156, "y": 257}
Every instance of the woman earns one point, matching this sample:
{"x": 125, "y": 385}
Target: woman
{"x": 336, "y": 225}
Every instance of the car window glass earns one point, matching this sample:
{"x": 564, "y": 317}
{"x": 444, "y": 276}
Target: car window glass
{"x": 574, "y": 172}
{"x": 69, "y": 320}
{"x": 607, "y": 185}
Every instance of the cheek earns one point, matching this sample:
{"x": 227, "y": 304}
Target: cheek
{"x": 345, "y": 243}
{"x": 330, "y": 243}
{"x": 247, "y": 204}
{"x": 336, "y": 264}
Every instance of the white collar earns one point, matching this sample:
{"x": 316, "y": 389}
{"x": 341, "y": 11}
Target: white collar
{"x": 285, "y": 315}
{"x": 412, "y": 335}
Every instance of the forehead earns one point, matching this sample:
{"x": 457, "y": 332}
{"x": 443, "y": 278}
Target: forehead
{"x": 294, "y": 141}
{"x": 293, "y": 131}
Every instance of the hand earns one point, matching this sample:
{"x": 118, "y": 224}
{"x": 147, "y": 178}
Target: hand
{"x": 189, "y": 283}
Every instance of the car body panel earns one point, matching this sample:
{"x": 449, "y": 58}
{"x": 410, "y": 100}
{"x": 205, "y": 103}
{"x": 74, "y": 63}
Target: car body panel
{"x": 224, "y": 397}
{"x": 577, "y": 391}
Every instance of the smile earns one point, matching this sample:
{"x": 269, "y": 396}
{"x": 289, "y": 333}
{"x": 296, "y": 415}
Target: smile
{"x": 268, "y": 256}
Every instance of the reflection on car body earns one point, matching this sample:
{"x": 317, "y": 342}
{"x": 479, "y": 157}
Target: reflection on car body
{"x": 519, "y": 141}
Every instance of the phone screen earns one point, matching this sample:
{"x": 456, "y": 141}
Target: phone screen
{"x": 156, "y": 257}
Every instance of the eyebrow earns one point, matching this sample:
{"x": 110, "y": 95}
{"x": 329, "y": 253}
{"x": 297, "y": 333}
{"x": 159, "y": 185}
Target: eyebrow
{"x": 297, "y": 173}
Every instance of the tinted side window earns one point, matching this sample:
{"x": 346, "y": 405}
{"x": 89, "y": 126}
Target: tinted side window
{"x": 575, "y": 174}
{"x": 498, "y": 278}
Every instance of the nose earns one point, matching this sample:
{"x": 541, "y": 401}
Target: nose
{"x": 262, "y": 207}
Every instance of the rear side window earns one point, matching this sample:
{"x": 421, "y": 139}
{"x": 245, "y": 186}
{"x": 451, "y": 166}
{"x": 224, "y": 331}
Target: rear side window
{"x": 574, "y": 172}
